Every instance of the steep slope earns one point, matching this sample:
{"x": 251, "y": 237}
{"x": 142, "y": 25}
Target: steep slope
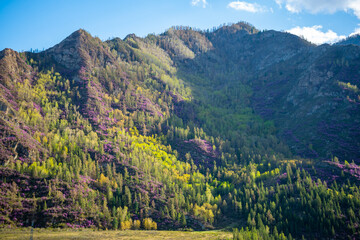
{"x": 187, "y": 129}
{"x": 313, "y": 99}
{"x": 304, "y": 89}
{"x": 78, "y": 50}
{"x": 88, "y": 125}
{"x": 13, "y": 67}
{"x": 17, "y": 141}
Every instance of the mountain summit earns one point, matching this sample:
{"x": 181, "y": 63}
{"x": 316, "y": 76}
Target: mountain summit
{"x": 78, "y": 50}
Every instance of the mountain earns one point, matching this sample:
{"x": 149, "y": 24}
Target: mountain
{"x": 299, "y": 86}
{"x": 312, "y": 103}
{"x": 189, "y": 129}
{"x": 355, "y": 40}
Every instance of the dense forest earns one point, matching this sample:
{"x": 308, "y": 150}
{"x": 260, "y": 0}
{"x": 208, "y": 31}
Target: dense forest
{"x": 229, "y": 128}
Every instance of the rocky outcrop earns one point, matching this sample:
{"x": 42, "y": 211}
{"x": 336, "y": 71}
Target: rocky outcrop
{"x": 12, "y": 68}
{"x": 78, "y": 50}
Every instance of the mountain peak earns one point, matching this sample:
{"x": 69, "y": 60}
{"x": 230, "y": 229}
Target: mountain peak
{"x": 236, "y": 27}
{"x": 12, "y": 67}
{"x": 79, "y": 49}
{"x": 80, "y": 35}
{"x": 75, "y": 40}
{"x": 6, "y": 52}
{"x": 130, "y": 36}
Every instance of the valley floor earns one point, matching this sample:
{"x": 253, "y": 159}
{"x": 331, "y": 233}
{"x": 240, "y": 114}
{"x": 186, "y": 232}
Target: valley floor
{"x": 91, "y": 234}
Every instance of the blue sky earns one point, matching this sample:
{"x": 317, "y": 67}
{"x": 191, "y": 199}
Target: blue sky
{"x": 41, "y": 24}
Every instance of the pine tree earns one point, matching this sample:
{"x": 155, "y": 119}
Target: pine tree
{"x": 183, "y": 220}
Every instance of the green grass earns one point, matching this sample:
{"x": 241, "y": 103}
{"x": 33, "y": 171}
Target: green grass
{"x": 92, "y": 234}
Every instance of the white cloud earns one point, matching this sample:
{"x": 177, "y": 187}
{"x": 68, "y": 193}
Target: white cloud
{"x": 199, "y": 2}
{"x": 315, "y": 35}
{"x": 356, "y": 31}
{"x": 248, "y": 7}
{"x": 316, "y": 6}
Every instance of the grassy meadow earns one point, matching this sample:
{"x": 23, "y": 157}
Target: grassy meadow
{"x": 39, "y": 234}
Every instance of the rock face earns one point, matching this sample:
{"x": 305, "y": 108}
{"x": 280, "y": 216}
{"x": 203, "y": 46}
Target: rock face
{"x": 78, "y": 50}
{"x": 67, "y": 52}
{"x": 12, "y": 67}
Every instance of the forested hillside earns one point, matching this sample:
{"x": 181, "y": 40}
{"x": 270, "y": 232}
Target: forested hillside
{"x": 189, "y": 129}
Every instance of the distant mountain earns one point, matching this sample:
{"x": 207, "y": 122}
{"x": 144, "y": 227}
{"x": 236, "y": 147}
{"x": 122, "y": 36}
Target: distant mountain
{"x": 189, "y": 129}
{"x": 355, "y": 40}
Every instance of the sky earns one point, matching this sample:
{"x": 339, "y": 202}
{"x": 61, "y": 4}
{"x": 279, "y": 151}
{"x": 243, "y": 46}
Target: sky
{"x": 40, "y": 24}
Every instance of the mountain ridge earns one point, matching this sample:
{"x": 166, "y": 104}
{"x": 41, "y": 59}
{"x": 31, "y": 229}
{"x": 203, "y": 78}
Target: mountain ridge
{"x": 194, "y": 44}
{"x": 187, "y": 129}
